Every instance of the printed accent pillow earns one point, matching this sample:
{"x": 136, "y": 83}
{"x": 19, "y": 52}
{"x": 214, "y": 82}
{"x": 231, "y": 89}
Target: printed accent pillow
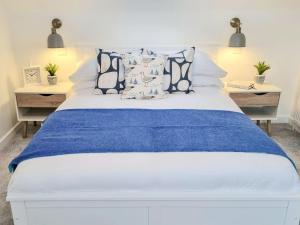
{"x": 110, "y": 78}
{"x": 178, "y": 72}
{"x": 146, "y": 51}
{"x": 144, "y": 76}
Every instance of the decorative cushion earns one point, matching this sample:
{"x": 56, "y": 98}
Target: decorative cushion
{"x": 110, "y": 78}
{"x": 143, "y": 76}
{"x": 178, "y": 73}
{"x": 145, "y": 51}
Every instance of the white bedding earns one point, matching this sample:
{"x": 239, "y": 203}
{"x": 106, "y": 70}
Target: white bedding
{"x": 203, "y": 98}
{"x": 104, "y": 175}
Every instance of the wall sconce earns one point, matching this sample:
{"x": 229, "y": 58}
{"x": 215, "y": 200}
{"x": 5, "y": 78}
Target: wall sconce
{"x": 237, "y": 39}
{"x": 54, "y": 39}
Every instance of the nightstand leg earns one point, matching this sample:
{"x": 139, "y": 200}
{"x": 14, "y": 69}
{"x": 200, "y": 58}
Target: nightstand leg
{"x": 258, "y": 123}
{"x": 25, "y": 129}
{"x": 269, "y": 127}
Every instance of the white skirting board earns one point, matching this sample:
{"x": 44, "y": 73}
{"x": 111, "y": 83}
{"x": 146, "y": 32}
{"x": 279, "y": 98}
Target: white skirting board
{"x": 282, "y": 119}
{"x": 296, "y": 114}
{"x": 295, "y": 124}
{"x": 7, "y": 138}
{"x": 158, "y": 212}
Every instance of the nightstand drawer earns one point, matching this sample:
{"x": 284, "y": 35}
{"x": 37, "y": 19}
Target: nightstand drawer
{"x": 40, "y": 100}
{"x": 256, "y": 99}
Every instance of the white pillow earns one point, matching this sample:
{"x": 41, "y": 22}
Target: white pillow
{"x": 84, "y": 85}
{"x": 90, "y": 92}
{"x": 204, "y": 65}
{"x": 87, "y": 71}
{"x": 207, "y": 81}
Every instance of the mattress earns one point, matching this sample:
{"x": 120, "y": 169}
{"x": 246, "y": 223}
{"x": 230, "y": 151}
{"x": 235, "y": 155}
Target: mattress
{"x": 105, "y": 175}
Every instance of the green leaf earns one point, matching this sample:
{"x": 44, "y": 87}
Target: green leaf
{"x": 262, "y": 67}
{"x": 51, "y": 69}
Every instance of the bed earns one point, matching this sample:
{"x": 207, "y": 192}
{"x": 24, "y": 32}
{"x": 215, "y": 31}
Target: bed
{"x": 156, "y": 188}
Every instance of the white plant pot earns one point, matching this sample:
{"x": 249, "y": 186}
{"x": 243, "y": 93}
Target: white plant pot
{"x": 52, "y": 80}
{"x": 260, "y": 79}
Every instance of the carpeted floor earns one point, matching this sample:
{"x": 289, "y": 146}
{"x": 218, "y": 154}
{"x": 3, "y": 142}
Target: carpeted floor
{"x": 282, "y": 133}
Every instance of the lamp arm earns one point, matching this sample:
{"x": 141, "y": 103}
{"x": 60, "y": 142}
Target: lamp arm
{"x": 53, "y": 30}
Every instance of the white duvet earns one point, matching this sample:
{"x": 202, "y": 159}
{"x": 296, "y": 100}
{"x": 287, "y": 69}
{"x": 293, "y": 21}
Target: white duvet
{"x": 105, "y": 175}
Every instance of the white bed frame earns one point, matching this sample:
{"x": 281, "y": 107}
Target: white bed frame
{"x": 277, "y": 210}
{"x": 162, "y": 210}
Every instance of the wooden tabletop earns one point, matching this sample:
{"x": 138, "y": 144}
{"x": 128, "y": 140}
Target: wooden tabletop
{"x": 259, "y": 88}
{"x": 60, "y": 88}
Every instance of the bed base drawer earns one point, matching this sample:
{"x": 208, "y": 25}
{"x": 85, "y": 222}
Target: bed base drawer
{"x": 40, "y": 100}
{"x": 256, "y": 99}
{"x": 235, "y": 212}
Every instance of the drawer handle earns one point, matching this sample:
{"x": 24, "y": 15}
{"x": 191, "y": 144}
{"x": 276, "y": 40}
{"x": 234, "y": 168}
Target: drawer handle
{"x": 46, "y": 95}
{"x": 264, "y": 93}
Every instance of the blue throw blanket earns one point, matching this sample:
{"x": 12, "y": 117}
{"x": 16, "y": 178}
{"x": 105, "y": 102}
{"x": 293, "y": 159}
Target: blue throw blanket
{"x": 145, "y": 130}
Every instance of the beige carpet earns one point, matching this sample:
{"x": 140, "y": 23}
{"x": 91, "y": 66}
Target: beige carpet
{"x": 282, "y": 133}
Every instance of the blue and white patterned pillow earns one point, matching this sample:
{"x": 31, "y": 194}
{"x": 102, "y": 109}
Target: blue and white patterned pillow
{"x": 144, "y": 76}
{"x": 110, "y": 78}
{"x": 149, "y": 52}
{"x": 178, "y": 73}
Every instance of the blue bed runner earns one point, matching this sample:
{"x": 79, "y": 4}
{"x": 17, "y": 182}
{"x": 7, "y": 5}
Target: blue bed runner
{"x": 145, "y": 130}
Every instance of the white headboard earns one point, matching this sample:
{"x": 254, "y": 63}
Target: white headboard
{"x": 85, "y": 51}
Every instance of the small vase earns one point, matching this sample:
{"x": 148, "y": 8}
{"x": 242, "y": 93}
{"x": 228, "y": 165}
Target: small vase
{"x": 52, "y": 80}
{"x": 260, "y": 79}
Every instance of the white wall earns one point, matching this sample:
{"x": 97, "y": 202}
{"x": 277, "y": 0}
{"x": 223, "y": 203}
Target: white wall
{"x": 271, "y": 28}
{"x": 9, "y": 78}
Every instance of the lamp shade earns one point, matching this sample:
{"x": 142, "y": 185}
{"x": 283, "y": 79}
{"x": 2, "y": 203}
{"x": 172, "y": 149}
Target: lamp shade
{"x": 55, "y": 41}
{"x": 237, "y": 40}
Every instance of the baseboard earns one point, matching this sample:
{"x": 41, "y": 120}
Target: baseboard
{"x": 282, "y": 119}
{"x": 290, "y": 120}
{"x": 7, "y": 138}
{"x": 295, "y": 124}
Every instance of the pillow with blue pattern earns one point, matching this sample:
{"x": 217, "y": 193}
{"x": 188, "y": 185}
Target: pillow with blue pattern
{"x": 110, "y": 79}
{"x": 178, "y": 71}
{"x": 144, "y": 76}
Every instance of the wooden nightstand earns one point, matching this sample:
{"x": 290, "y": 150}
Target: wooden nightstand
{"x": 259, "y": 104}
{"x": 35, "y": 103}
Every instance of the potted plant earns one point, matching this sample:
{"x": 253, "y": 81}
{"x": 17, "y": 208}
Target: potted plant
{"x": 52, "y": 69}
{"x": 261, "y": 67}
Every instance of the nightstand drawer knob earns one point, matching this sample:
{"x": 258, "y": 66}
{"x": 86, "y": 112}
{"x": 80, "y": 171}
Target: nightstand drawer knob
{"x": 46, "y": 95}
{"x": 263, "y": 93}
